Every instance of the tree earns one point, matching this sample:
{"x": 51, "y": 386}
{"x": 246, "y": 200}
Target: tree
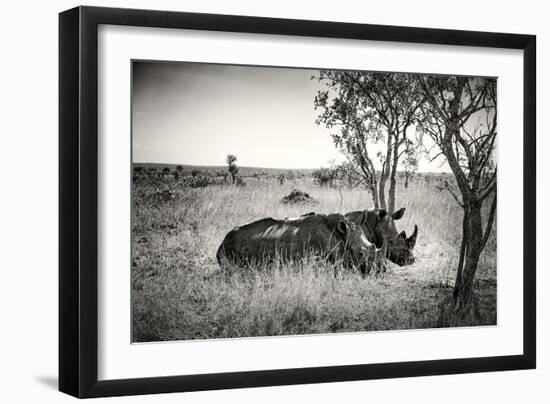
{"x": 324, "y": 177}
{"x": 460, "y": 115}
{"x": 366, "y": 109}
{"x": 178, "y": 173}
{"x": 410, "y": 165}
{"x": 350, "y": 173}
{"x": 232, "y": 167}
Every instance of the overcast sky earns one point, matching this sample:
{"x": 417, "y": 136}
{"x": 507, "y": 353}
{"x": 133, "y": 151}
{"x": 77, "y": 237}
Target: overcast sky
{"x": 191, "y": 113}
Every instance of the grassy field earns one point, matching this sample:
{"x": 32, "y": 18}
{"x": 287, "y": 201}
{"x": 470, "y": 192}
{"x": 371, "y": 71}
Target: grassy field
{"x": 179, "y": 291}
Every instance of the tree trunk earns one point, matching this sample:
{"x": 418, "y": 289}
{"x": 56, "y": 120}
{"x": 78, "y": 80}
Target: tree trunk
{"x": 382, "y": 187}
{"x": 391, "y": 195}
{"x": 382, "y": 192}
{"x": 465, "y": 235}
{"x": 473, "y": 245}
{"x": 406, "y": 180}
{"x": 385, "y": 175}
{"x": 374, "y": 194}
{"x": 393, "y": 182}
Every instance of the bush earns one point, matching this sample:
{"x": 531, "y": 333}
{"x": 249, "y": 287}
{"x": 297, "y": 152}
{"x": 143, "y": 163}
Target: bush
{"x": 297, "y": 196}
{"x": 240, "y": 182}
{"x": 324, "y": 177}
{"x": 148, "y": 194}
{"x": 199, "y": 181}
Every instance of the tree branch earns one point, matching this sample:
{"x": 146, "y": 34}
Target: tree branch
{"x": 449, "y": 188}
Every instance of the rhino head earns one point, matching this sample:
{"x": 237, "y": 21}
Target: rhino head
{"x": 400, "y": 249}
{"x": 379, "y": 227}
{"x": 364, "y": 254}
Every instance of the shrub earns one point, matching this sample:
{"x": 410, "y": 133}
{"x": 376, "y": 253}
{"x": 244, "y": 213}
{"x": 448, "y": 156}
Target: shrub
{"x": 195, "y": 181}
{"x": 297, "y": 196}
{"x": 240, "y": 182}
{"x": 324, "y": 177}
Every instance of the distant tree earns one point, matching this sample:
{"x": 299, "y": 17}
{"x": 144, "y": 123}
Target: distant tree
{"x": 427, "y": 180}
{"x": 460, "y": 115}
{"x": 239, "y": 181}
{"x": 366, "y": 109}
{"x": 353, "y": 174}
{"x": 324, "y": 177}
{"x": 223, "y": 174}
{"x": 232, "y": 167}
{"x": 281, "y": 179}
{"x": 410, "y": 164}
{"x": 178, "y": 172}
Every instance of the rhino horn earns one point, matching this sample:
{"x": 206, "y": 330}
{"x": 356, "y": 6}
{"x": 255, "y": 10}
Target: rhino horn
{"x": 411, "y": 241}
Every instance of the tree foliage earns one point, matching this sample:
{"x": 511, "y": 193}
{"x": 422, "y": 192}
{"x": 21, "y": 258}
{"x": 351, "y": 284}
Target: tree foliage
{"x": 364, "y": 109}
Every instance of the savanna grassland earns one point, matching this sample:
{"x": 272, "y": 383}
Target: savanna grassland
{"x": 179, "y": 292}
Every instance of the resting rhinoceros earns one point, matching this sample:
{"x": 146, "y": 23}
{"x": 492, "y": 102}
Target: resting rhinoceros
{"x": 400, "y": 248}
{"x": 332, "y": 237}
{"x": 379, "y": 227}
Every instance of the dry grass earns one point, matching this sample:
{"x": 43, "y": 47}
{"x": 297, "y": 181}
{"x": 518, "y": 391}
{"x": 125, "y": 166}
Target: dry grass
{"x": 179, "y": 292}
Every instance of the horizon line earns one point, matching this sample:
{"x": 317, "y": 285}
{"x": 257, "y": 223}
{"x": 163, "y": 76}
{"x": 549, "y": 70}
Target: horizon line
{"x": 264, "y": 167}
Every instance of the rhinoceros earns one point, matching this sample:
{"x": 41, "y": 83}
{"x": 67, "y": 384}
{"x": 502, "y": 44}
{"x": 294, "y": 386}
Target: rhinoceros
{"x": 400, "y": 248}
{"x": 379, "y": 228}
{"x": 331, "y": 237}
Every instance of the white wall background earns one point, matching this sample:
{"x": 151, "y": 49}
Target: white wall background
{"x": 28, "y": 202}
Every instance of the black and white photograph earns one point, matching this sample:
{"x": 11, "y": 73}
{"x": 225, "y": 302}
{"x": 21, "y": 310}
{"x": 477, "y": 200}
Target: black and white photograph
{"x": 275, "y": 202}
{"x": 270, "y": 201}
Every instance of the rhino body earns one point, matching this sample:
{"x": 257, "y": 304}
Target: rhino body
{"x": 331, "y": 237}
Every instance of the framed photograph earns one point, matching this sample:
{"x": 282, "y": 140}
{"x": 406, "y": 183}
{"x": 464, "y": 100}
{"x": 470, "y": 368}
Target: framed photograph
{"x": 251, "y": 201}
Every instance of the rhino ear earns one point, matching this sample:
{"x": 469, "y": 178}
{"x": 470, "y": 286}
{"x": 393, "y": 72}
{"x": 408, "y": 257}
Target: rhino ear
{"x": 398, "y": 214}
{"x": 342, "y": 227}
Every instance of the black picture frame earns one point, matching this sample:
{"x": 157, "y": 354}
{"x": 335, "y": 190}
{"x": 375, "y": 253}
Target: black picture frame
{"x": 78, "y": 201}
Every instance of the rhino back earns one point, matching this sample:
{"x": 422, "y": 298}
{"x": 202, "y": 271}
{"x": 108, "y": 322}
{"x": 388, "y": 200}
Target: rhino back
{"x": 266, "y": 238}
